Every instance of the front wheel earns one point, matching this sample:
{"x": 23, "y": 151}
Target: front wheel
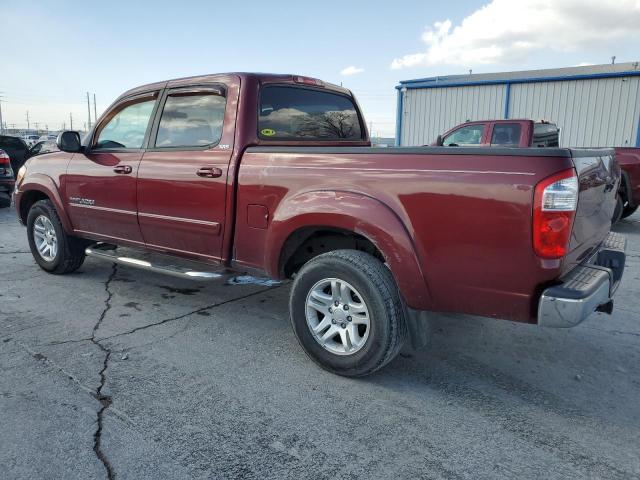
{"x": 52, "y": 249}
{"x": 347, "y": 313}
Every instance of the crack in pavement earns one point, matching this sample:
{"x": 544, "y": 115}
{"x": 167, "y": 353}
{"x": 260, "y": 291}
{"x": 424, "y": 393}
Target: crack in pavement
{"x": 105, "y": 400}
{"x": 192, "y": 312}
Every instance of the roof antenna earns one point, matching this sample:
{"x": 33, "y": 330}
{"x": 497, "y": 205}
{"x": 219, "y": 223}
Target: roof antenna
{"x": 613, "y": 60}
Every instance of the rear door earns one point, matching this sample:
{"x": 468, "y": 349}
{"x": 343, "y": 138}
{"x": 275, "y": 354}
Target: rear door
{"x": 182, "y": 179}
{"x": 100, "y": 184}
{"x": 506, "y": 134}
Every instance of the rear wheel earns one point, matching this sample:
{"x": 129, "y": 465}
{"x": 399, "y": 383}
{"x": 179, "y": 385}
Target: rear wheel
{"x": 54, "y": 250}
{"x": 347, "y": 313}
{"x": 628, "y": 211}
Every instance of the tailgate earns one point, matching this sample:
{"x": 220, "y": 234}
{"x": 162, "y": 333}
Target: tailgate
{"x": 599, "y": 178}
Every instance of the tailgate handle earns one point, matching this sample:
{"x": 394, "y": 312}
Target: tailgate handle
{"x": 209, "y": 172}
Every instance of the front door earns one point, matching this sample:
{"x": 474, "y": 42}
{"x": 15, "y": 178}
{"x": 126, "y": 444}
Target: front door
{"x": 100, "y": 184}
{"x": 182, "y": 179}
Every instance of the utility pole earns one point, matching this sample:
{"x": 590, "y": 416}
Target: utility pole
{"x": 71, "y": 119}
{"x": 1, "y": 124}
{"x": 88, "y": 111}
{"x": 95, "y": 111}
{"x": 36, "y": 126}
{"x": 28, "y": 124}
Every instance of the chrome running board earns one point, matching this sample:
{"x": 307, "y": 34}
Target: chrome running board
{"x": 154, "y": 262}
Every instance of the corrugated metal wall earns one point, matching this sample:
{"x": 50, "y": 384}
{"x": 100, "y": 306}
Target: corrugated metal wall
{"x": 591, "y": 113}
{"x": 430, "y": 111}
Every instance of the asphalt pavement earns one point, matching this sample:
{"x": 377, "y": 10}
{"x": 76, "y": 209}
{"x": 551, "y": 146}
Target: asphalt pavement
{"x": 112, "y": 371}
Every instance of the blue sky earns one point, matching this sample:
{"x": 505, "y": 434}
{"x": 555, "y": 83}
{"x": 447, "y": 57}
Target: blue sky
{"x": 55, "y": 52}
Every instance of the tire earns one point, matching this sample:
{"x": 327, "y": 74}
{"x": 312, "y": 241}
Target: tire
{"x": 371, "y": 292}
{"x": 617, "y": 212}
{"x": 69, "y": 251}
{"x": 5, "y": 201}
{"x": 628, "y": 211}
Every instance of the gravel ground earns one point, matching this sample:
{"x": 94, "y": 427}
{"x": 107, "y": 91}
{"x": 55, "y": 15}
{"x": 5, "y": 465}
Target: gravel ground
{"x": 116, "y": 372}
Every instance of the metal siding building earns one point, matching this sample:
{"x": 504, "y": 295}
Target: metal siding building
{"x": 595, "y": 106}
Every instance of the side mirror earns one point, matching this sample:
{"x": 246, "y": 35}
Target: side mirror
{"x": 439, "y": 141}
{"x": 69, "y": 141}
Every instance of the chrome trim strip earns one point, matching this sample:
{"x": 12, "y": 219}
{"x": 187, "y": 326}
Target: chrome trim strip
{"x": 178, "y": 219}
{"x": 107, "y": 237}
{"x": 103, "y": 209}
{"x": 403, "y": 170}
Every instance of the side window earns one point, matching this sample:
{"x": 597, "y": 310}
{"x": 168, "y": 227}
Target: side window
{"x": 506, "y": 134}
{"x": 127, "y": 128}
{"x": 465, "y": 136}
{"x": 546, "y": 135}
{"x": 36, "y": 148}
{"x": 191, "y": 120}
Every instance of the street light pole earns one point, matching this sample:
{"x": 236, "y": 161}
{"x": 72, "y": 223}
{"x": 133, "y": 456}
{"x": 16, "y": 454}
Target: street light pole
{"x": 89, "y": 111}
{"x": 1, "y": 124}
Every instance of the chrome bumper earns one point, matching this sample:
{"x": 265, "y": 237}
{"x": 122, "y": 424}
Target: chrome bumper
{"x": 587, "y": 288}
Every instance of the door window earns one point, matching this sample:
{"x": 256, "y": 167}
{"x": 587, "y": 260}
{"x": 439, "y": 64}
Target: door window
{"x": 127, "y": 128}
{"x": 191, "y": 120}
{"x": 506, "y": 134}
{"x": 465, "y": 136}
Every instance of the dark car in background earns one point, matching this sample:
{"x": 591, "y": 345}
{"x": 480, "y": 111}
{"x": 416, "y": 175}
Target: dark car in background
{"x": 44, "y": 146}
{"x": 7, "y": 180}
{"x": 17, "y": 150}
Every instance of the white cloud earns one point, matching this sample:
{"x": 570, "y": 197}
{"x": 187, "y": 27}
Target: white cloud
{"x": 351, "y": 70}
{"x": 507, "y": 31}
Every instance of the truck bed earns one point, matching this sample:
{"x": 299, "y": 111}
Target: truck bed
{"x": 467, "y": 213}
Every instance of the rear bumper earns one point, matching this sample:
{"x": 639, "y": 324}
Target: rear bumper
{"x": 587, "y": 288}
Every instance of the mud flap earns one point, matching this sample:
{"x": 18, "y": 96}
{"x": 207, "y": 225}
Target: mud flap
{"x": 417, "y": 326}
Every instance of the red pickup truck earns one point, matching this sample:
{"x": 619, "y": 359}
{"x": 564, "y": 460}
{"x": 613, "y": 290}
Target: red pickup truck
{"x": 527, "y": 133}
{"x": 275, "y": 175}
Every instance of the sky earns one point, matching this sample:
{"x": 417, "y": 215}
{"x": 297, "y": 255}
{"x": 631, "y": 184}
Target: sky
{"x": 52, "y": 53}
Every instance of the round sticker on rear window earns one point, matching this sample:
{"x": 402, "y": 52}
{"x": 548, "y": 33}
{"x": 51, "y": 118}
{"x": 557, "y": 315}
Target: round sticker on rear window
{"x": 267, "y": 132}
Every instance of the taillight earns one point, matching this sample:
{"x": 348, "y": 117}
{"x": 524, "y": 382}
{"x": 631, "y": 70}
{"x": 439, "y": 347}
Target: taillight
{"x": 554, "y": 207}
{"x": 5, "y": 164}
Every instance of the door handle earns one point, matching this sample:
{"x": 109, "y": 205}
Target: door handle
{"x": 123, "y": 169}
{"x": 209, "y": 172}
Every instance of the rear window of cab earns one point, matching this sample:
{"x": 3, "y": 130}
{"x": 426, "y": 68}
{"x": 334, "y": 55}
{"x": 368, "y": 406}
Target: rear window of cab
{"x": 299, "y": 113}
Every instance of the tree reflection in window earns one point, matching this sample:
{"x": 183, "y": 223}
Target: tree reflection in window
{"x": 304, "y": 114}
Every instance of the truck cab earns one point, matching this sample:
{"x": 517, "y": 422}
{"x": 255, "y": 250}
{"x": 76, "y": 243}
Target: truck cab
{"x": 503, "y": 133}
